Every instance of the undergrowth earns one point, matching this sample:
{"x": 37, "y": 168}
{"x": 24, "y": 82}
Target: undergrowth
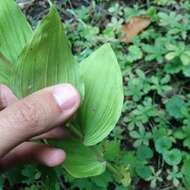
{"x": 152, "y": 138}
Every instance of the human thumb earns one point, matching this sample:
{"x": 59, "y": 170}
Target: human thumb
{"x": 36, "y": 114}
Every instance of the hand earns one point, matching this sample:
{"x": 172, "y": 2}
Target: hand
{"x": 37, "y": 116}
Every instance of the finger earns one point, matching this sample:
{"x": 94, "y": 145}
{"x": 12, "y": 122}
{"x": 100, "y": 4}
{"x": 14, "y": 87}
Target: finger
{"x": 6, "y": 97}
{"x": 57, "y": 133}
{"x": 31, "y": 152}
{"x": 36, "y": 114}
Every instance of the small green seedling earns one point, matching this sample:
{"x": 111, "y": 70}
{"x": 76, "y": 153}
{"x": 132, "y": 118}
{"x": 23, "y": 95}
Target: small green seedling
{"x": 31, "y": 60}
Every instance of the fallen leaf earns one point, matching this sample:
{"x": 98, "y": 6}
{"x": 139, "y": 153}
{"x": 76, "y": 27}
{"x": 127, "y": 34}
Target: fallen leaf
{"x": 136, "y": 25}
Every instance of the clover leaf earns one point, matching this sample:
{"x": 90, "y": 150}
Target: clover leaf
{"x": 172, "y": 157}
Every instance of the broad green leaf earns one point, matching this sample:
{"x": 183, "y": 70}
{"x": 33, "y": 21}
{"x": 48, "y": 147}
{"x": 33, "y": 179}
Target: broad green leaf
{"x": 103, "y": 100}
{"x": 81, "y": 161}
{"x": 15, "y": 31}
{"x": 47, "y": 60}
{"x": 5, "y": 70}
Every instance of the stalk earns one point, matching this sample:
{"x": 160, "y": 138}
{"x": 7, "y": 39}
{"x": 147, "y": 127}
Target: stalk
{"x": 50, "y": 2}
{"x": 114, "y": 171}
{"x": 75, "y": 131}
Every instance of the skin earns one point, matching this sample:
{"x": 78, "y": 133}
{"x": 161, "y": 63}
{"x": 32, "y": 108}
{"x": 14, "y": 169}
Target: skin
{"x": 38, "y": 116}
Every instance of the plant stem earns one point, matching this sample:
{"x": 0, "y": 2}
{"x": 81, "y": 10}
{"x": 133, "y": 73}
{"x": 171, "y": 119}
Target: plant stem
{"x": 114, "y": 170}
{"x": 75, "y": 131}
{"x": 50, "y": 3}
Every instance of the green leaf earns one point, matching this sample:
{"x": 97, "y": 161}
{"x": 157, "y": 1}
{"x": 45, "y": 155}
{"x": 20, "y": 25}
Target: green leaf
{"x": 103, "y": 180}
{"x": 186, "y": 173}
{"x": 1, "y": 183}
{"x": 172, "y": 157}
{"x": 185, "y": 59}
{"x": 134, "y": 54}
{"x": 111, "y": 149}
{"x": 186, "y": 70}
{"x": 15, "y": 31}
{"x": 179, "y": 134}
{"x": 186, "y": 143}
{"x": 5, "y": 70}
{"x": 103, "y": 101}
{"x": 130, "y": 160}
{"x": 144, "y": 153}
{"x": 143, "y": 171}
{"x": 126, "y": 177}
{"x": 47, "y": 60}
{"x": 174, "y": 105}
{"x": 81, "y": 161}
{"x": 170, "y": 56}
{"x": 173, "y": 67}
{"x": 163, "y": 144}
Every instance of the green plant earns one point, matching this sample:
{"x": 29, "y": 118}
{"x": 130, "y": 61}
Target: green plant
{"x": 155, "y": 51}
{"x": 185, "y": 172}
{"x": 174, "y": 106}
{"x": 141, "y": 115}
{"x": 155, "y": 178}
{"x": 164, "y": 2}
{"x": 156, "y": 93}
{"x": 179, "y": 50}
{"x": 172, "y": 157}
{"x": 134, "y": 54}
{"x": 141, "y": 137}
{"x": 31, "y": 60}
{"x": 163, "y": 144}
{"x": 174, "y": 175}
